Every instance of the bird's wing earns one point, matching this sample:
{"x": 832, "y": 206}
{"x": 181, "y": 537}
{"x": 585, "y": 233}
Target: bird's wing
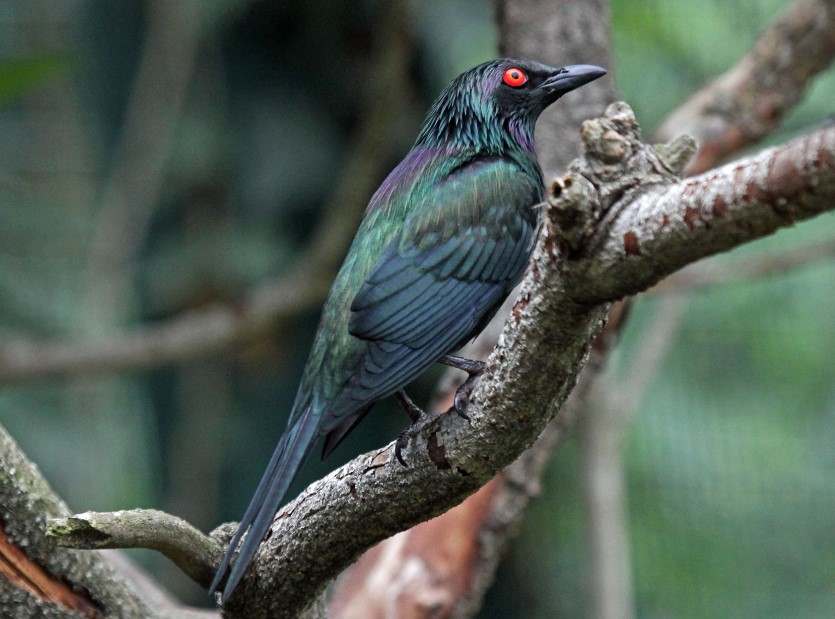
{"x": 458, "y": 255}
{"x": 415, "y": 294}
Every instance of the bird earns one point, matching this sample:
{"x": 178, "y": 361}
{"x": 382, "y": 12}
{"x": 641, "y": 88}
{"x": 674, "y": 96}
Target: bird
{"x": 442, "y": 242}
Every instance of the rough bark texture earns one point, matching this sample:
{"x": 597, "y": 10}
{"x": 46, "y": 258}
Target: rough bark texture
{"x": 707, "y": 214}
{"x": 442, "y": 567}
{"x": 448, "y": 463}
{"x": 35, "y": 570}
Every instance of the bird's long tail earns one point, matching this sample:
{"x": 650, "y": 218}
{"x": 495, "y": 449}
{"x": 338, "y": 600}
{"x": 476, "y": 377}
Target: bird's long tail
{"x": 284, "y": 464}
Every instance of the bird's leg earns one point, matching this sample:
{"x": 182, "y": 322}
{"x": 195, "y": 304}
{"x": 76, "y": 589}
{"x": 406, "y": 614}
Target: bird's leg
{"x": 419, "y": 420}
{"x": 414, "y": 412}
{"x": 474, "y": 369}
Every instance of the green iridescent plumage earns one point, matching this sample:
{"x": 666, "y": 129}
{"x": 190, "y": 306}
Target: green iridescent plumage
{"x": 443, "y": 241}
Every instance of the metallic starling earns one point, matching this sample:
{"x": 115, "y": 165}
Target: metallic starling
{"x": 443, "y": 241}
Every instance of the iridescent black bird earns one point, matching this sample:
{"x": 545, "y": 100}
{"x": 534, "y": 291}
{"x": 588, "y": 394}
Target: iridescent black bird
{"x": 443, "y": 241}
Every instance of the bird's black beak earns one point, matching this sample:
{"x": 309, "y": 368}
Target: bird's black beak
{"x": 571, "y": 77}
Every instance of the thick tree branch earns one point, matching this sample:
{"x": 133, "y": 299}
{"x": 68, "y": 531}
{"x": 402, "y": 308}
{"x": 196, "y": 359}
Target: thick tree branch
{"x": 751, "y": 99}
{"x": 21, "y": 572}
{"x": 457, "y": 568}
{"x": 39, "y": 571}
{"x": 545, "y": 342}
{"x": 707, "y": 214}
{"x": 38, "y": 579}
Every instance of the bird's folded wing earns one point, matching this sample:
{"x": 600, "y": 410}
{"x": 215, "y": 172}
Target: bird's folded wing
{"x": 416, "y": 296}
{"x": 463, "y": 244}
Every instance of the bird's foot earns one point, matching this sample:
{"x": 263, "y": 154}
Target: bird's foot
{"x": 420, "y": 421}
{"x": 474, "y": 369}
{"x": 411, "y": 432}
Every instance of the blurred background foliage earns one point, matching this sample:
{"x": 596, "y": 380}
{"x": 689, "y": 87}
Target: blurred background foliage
{"x": 730, "y": 451}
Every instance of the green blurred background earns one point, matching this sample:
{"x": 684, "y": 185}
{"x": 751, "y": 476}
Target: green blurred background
{"x": 729, "y": 453}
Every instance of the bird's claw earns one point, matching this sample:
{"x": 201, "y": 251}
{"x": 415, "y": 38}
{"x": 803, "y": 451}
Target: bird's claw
{"x": 462, "y": 397}
{"x": 423, "y": 422}
{"x": 420, "y": 420}
{"x": 402, "y": 442}
{"x": 474, "y": 370}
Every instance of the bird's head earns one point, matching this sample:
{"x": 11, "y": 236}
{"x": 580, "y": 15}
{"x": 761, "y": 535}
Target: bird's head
{"x": 526, "y": 88}
{"x": 504, "y": 95}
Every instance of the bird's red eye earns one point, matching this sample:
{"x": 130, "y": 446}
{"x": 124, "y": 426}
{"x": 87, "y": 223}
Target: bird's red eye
{"x": 514, "y": 77}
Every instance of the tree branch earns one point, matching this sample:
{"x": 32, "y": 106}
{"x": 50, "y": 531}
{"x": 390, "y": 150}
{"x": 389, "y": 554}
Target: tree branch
{"x": 38, "y": 579}
{"x": 585, "y": 258}
{"x": 708, "y": 214}
{"x": 194, "y": 553}
{"x": 39, "y": 571}
{"x": 750, "y": 100}
{"x": 187, "y": 336}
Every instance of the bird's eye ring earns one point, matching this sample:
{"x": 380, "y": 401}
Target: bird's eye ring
{"x": 514, "y": 77}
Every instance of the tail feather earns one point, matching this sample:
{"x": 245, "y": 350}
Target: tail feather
{"x": 291, "y": 451}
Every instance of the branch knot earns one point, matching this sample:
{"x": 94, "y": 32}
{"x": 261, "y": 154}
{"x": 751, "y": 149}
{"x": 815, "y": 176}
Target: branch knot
{"x": 616, "y": 168}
